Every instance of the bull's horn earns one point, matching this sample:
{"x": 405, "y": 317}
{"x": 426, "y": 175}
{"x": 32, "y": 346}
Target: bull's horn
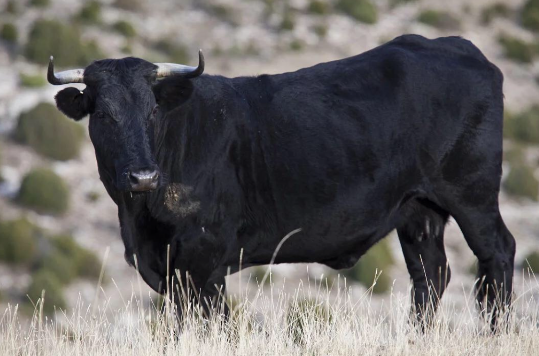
{"x": 173, "y": 69}
{"x": 65, "y": 77}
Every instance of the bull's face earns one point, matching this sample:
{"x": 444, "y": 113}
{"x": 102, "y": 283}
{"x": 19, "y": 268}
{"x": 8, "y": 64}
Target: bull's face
{"x": 119, "y": 99}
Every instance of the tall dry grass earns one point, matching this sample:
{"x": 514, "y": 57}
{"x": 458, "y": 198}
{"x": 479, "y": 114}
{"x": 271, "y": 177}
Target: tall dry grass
{"x": 313, "y": 320}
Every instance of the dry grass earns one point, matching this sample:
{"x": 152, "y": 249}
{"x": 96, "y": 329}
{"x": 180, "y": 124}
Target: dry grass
{"x": 271, "y": 322}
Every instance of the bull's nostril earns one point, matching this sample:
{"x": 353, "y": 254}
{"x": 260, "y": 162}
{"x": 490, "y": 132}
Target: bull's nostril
{"x": 144, "y": 179}
{"x": 134, "y": 178}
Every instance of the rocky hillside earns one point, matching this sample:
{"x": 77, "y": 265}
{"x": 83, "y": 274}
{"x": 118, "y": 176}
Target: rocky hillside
{"x": 239, "y": 37}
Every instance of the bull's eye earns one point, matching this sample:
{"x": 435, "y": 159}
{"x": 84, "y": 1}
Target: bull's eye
{"x": 99, "y": 114}
{"x": 155, "y": 110}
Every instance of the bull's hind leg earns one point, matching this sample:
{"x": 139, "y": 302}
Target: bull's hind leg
{"x": 471, "y": 174}
{"x": 494, "y": 246}
{"x": 422, "y": 241}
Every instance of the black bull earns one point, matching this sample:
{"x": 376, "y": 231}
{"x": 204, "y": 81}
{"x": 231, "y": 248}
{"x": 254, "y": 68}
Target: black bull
{"x": 399, "y": 137}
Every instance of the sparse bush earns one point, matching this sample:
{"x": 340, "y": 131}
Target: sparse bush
{"x": 48, "y": 37}
{"x": 17, "y": 241}
{"x": 319, "y": 7}
{"x": 60, "y": 265}
{"x": 523, "y": 127}
{"x": 361, "y": 10}
{"x": 530, "y": 15}
{"x": 296, "y": 45}
{"x": 514, "y": 156}
{"x": 125, "y": 28}
{"x": 175, "y": 52}
{"x": 11, "y": 7}
{"x": 395, "y": 3}
{"x": 44, "y": 191}
{"x": 126, "y": 48}
{"x": 517, "y": 49}
{"x": 223, "y": 12}
{"x": 495, "y": 10}
{"x": 321, "y": 30}
{"x": 40, "y": 3}
{"x": 84, "y": 263}
{"x": 473, "y": 268}
{"x": 378, "y": 258}
{"x": 32, "y": 81}
{"x": 521, "y": 182}
{"x": 54, "y": 293}
{"x": 532, "y": 261}
{"x": 257, "y": 274}
{"x": 9, "y": 33}
{"x": 439, "y": 19}
{"x": 91, "y": 12}
{"x": 289, "y": 20}
{"x": 130, "y": 5}
{"x": 307, "y": 315}
{"x": 92, "y": 196}
{"x": 49, "y": 132}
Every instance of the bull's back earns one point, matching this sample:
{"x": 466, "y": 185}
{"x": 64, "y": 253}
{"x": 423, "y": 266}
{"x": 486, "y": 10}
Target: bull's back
{"x": 346, "y": 141}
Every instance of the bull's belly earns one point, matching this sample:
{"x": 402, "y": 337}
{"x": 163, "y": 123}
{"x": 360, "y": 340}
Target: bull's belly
{"x": 336, "y": 242}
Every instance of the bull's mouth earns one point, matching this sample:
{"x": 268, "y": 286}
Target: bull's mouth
{"x": 143, "y": 189}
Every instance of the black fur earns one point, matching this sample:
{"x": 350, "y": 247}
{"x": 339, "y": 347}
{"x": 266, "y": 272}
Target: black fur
{"x": 399, "y": 137}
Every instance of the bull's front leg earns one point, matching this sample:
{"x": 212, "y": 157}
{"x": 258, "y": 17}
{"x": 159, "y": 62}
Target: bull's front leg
{"x": 197, "y": 281}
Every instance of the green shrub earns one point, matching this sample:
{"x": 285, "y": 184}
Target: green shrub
{"x": 257, "y": 274}
{"x": 60, "y": 265}
{"x": 11, "y": 7}
{"x": 223, "y": 12}
{"x": 40, "y": 3}
{"x": 318, "y": 7}
{"x": 174, "y": 52}
{"x": 296, "y": 45}
{"x": 439, "y": 19}
{"x": 321, "y": 30}
{"x": 44, "y": 191}
{"x": 48, "y": 37}
{"x": 130, "y": 5}
{"x": 516, "y": 49}
{"x": 49, "y": 132}
{"x": 288, "y": 21}
{"x": 93, "y": 196}
{"x": 127, "y": 48}
{"x": 530, "y": 15}
{"x": 32, "y": 81}
{"x": 514, "y": 156}
{"x": 473, "y": 268}
{"x": 9, "y": 33}
{"x": 91, "y": 12}
{"x": 395, "y": 3}
{"x": 361, "y": 10}
{"x": 378, "y": 258}
{"x": 17, "y": 241}
{"x": 125, "y": 28}
{"x": 523, "y": 127}
{"x": 532, "y": 261}
{"x": 307, "y": 315}
{"x": 521, "y": 182}
{"x": 495, "y": 10}
{"x": 84, "y": 263}
{"x": 54, "y": 293}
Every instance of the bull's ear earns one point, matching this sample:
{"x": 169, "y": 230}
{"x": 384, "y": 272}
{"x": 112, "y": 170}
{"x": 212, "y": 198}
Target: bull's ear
{"x": 172, "y": 92}
{"x": 73, "y": 103}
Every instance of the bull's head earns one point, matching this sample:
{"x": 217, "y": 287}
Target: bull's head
{"x": 119, "y": 98}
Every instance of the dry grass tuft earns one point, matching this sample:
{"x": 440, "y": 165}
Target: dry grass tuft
{"x": 315, "y": 320}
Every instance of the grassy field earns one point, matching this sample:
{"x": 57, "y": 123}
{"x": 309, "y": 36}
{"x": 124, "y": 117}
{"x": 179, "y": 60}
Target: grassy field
{"x": 314, "y": 320}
